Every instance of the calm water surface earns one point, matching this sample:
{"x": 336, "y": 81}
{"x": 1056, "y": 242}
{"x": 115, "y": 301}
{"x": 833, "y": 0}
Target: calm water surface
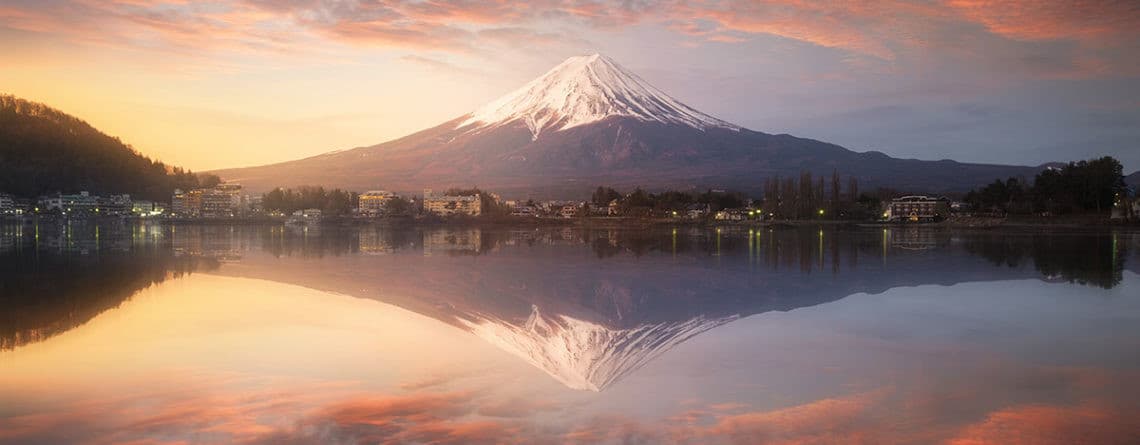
{"x": 218, "y": 334}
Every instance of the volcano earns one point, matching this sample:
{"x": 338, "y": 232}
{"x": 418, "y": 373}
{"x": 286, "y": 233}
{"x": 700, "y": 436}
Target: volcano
{"x": 589, "y": 122}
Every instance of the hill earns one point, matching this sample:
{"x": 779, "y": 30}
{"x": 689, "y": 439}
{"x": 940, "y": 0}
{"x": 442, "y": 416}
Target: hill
{"x": 591, "y": 122}
{"x": 44, "y": 150}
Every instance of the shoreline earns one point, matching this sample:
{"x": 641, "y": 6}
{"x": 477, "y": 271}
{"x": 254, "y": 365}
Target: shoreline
{"x": 1077, "y": 223}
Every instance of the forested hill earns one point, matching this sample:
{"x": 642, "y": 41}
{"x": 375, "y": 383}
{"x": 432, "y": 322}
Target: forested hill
{"x": 44, "y": 150}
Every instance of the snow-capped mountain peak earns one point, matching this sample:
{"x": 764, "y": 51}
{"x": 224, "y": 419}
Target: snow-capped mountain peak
{"x": 582, "y": 90}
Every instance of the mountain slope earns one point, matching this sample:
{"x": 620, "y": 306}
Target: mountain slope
{"x": 589, "y": 122}
{"x": 44, "y": 150}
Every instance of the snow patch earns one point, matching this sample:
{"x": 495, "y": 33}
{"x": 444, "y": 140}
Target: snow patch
{"x": 583, "y": 90}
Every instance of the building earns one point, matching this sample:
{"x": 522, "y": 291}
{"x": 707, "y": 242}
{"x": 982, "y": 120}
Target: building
{"x": 917, "y": 209}
{"x": 222, "y": 201}
{"x": 524, "y": 210}
{"x": 375, "y": 202}
{"x": 697, "y": 211}
{"x": 186, "y": 204}
{"x": 731, "y": 215}
{"x": 82, "y": 202}
{"x": 447, "y": 205}
{"x": 115, "y": 205}
{"x": 146, "y": 209}
{"x": 614, "y": 208}
{"x": 7, "y": 205}
{"x": 570, "y": 210}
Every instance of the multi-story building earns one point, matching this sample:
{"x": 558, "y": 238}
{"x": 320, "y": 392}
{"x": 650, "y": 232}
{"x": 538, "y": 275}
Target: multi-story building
{"x": 447, "y": 205}
{"x": 82, "y": 202}
{"x": 918, "y": 208}
{"x": 115, "y": 205}
{"x": 374, "y": 202}
{"x": 145, "y": 209}
{"x": 186, "y": 204}
{"x": 222, "y": 201}
{"x": 7, "y": 205}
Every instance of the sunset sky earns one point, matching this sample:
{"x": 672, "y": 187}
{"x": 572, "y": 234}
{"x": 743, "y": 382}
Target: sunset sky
{"x": 214, "y": 84}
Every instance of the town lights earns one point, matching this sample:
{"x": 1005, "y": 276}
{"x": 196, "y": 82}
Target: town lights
{"x": 820, "y": 212}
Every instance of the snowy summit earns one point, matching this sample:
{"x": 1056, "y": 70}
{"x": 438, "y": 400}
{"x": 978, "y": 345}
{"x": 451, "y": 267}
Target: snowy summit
{"x": 583, "y": 90}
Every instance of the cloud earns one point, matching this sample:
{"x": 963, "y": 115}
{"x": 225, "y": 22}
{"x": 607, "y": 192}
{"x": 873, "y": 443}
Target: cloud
{"x": 1048, "y": 425}
{"x": 1053, "y": 19}
{"x": 256, "y": 410}
{"x": 878, "y": 29}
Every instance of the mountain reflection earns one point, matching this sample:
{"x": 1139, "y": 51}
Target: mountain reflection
{"x": 586, "y": 306}
{"x": 56, "y": 278}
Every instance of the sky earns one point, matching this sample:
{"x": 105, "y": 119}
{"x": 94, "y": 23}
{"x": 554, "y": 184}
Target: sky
{"x": 227, "y": 83}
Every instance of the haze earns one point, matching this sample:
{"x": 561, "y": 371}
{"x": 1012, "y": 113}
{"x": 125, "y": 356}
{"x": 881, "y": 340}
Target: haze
{"x": 232, "y": 83}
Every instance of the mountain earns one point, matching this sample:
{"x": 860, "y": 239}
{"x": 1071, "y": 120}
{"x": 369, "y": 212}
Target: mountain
{"x": 589, "y": 122}
{"x": 44, "y": 150}
{"x": 1133, "y": 179}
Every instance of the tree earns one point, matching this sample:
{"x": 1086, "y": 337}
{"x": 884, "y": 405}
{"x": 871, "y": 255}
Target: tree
{"x": 603, "y": 196}
{"x": 834, "y": 204}
{"x": 1083, "y": 186}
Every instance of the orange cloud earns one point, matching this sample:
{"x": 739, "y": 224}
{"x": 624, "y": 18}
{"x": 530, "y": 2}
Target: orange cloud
{"x": 1053, "y": 19}
{"x": 1048, "y": 425}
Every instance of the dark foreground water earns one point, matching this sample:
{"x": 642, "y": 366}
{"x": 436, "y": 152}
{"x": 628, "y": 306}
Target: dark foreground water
{"x": 151, "y": 334}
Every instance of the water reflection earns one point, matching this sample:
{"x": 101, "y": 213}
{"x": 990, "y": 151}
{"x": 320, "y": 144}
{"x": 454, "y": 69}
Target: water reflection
{"x": 56, "y": 278}
{"x": 537, "y": 294}
{"x": 468, "y": 335}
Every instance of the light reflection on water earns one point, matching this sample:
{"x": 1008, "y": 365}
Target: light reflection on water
{"x": 269, "y": 335}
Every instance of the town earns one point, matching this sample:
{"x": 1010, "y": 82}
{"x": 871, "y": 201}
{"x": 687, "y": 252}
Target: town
{"x": 805, "y": 200}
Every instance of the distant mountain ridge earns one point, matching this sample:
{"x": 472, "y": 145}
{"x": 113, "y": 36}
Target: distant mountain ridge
{"x": 44, "y": 150}
{"x": 591, "y": 122}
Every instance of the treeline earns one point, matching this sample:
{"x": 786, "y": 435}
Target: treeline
{"x": 812, "y": 197}
{"x": 43, "y": 151}
{"x": 330, "y": 202}
{"x": 807, "y": 197}
{"x": 641, "y": 202}
{"x": 1078, "y": 187}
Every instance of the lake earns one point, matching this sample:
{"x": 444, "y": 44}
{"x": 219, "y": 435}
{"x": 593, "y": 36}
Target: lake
{"x": 123, "y": 333}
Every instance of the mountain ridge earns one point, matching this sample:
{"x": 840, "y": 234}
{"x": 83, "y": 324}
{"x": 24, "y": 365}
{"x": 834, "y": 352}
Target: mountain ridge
{"x": 590, "y": 122}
